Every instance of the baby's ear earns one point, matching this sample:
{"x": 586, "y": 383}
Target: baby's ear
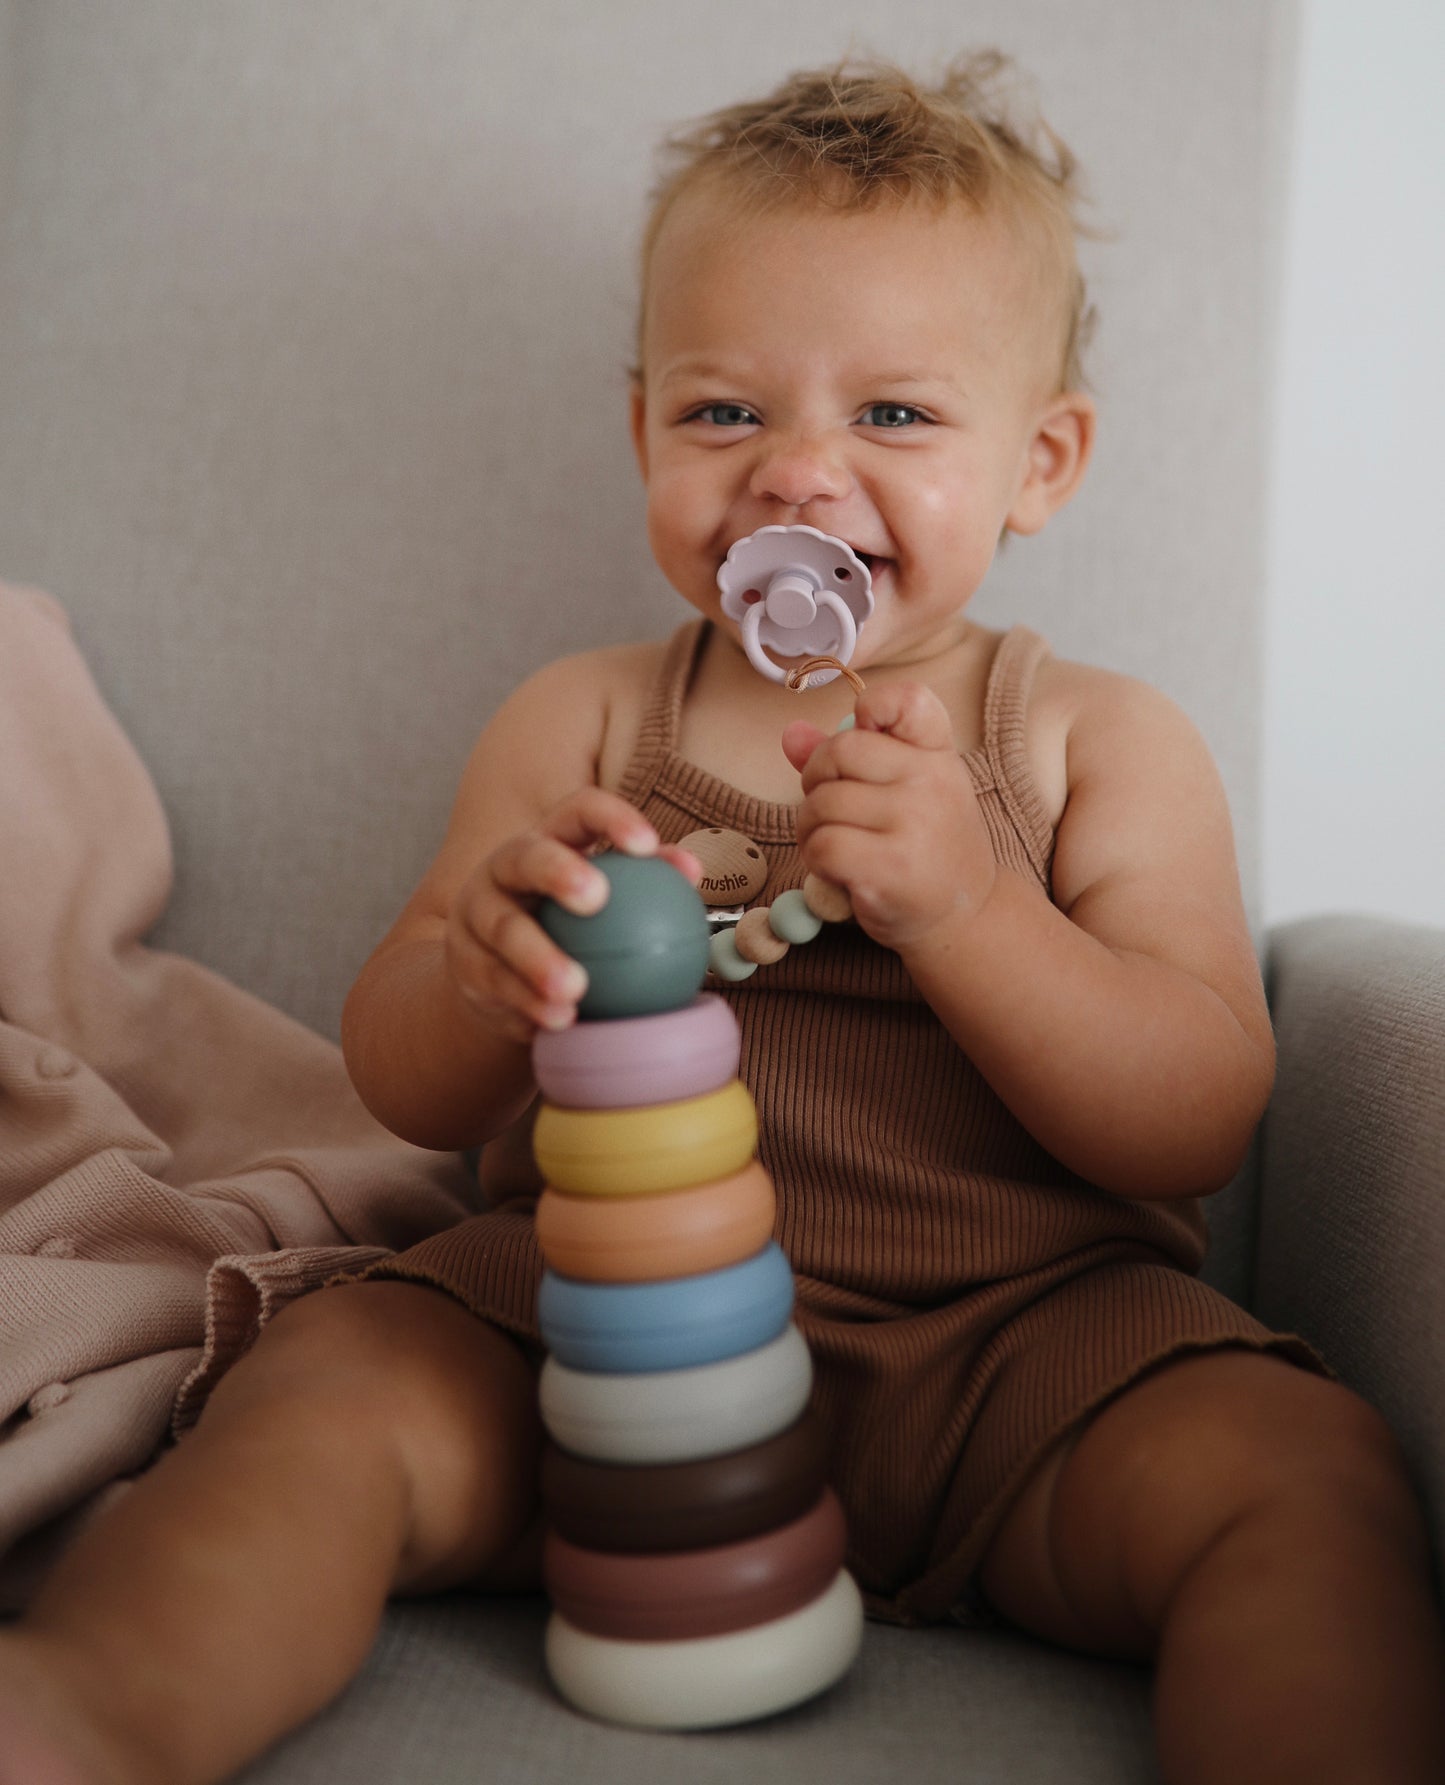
{"x": 1058, "y": 456}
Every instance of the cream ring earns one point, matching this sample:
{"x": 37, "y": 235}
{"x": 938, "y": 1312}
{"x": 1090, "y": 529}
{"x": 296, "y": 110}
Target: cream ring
{"x": 675, "y": 1416}
{"x": 706, "y": 1681}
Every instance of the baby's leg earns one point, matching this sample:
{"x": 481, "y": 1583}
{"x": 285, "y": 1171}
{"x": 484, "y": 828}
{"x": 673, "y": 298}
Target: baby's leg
{"x": 377, "y": 1439}
{"x": 1251, "y": 1527}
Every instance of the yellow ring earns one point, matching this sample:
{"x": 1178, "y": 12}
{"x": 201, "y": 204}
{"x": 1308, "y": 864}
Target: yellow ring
{"x": 636, "y": 1152}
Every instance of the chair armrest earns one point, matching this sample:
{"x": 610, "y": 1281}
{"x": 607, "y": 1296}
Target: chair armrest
{"x": 1351, "y": 1250}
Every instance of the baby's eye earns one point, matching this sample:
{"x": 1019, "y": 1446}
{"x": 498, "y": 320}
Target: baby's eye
{"x": 891, "y": 415}
{"x": 724, "y": 415}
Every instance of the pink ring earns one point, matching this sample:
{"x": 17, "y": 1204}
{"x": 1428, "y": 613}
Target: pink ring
{"x": 636, "y": 1060}
{"x": 701, "y": 1592}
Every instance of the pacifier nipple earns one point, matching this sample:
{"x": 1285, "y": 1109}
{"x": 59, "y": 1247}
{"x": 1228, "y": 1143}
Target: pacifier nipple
{"x": 790, "y": 601}
{"x": 797, "y": 593}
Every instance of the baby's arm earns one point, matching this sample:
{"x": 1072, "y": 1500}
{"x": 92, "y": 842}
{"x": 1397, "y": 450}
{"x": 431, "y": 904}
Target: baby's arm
{"x": 1124, "y": 1023}
{"x": 437, "y": 1029}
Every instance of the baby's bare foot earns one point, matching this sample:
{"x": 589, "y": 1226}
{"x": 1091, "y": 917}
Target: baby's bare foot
{"x": 48, "y": 1731}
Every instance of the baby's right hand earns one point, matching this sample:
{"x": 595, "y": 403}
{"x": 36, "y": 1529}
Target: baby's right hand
{"x": 503, "y": 962}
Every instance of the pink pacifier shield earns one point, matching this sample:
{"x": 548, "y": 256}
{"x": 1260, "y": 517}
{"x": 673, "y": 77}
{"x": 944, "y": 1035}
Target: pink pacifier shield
{"x": 798, "y": 593}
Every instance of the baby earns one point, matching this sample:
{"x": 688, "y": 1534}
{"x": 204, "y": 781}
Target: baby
{"x": 990, "y": 1103}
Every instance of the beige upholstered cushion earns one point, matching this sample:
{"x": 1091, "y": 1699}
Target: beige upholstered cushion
{"x": 313, "y": 328}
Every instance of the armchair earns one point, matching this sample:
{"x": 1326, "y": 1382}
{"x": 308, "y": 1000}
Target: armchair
{"x": 313, "y": 324}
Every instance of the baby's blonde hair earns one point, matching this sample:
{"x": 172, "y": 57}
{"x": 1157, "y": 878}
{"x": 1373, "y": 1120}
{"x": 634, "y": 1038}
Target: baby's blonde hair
{"x": 864, "y": 133}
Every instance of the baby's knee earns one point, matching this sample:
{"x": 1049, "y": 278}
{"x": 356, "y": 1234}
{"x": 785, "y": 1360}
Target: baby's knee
{"x": 377, "y": 1356}
{"x": 1345, "y": 1460}
{"x": 1210, "y": 1445}
{"x": 1302, "y": 1442}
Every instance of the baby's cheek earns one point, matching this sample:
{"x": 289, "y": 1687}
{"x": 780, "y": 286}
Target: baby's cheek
{"x": 673, "y": 540}
{"x": 677, "y": 508}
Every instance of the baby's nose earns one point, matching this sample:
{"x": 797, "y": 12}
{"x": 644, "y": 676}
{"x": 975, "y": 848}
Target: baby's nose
{"x": 799, "y": 470}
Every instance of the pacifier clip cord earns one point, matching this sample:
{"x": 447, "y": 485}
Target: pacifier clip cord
{"x": 766, "y": 933}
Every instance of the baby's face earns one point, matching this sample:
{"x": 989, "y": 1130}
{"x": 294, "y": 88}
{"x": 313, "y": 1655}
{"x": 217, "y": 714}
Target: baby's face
{"x": 880, "y": 375}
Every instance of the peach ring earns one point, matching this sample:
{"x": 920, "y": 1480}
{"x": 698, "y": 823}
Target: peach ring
{"x": 643, "y": 1239}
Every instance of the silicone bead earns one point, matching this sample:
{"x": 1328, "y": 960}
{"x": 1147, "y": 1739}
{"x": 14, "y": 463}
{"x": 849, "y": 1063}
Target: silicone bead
{"x": 673, "y": 1233}
{"x": 757, "y": 940}
{"x": 672, "y": 1506}
{"x": 675, "y": 1416}
{"x": 633, "y": 1152}
{"x": 670, "y": 1325}
{"x": 826, "y": 899}
{"x": 646, "y": 949}
{"x": 710, "y": 1680}
{"x": 725, "y": 961}
{"x": 791, "y": 919}
{"x": 641, "y": 1059}
{"x": 699, "y": 1592}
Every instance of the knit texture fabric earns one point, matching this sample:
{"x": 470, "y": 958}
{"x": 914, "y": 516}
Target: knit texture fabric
{"x": 967, "y": 1298}
{"x": 178, "y": 1160}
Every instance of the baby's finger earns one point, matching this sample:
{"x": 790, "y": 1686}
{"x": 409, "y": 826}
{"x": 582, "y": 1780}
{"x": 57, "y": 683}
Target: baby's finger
{"x": 686, "y": 863}
{"x": 854, "y": 804}
{"x": 595, "y": 815}
{"x": 536, "y": 865}
{"x": 503, "y": 957}
{"x": 872, "y": 756}
{"x": 907, "y": 711}
{"x": 800, "y": 739}
{"x": 510, "y": 1005}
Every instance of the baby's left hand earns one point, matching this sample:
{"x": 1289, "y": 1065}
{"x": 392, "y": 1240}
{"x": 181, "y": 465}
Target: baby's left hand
{"x": 889, "y": 812}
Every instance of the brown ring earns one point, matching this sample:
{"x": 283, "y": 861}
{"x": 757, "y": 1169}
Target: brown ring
{"x": 675, "y": 1506}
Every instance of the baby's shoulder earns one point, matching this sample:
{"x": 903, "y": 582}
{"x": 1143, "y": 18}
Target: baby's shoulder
{"x": 584, "y": 685}
{"x": 593, "y": 699}
{"x": 1084, "y": 720}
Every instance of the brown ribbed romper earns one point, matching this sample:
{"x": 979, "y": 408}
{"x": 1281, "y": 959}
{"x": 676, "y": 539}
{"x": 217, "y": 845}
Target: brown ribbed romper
{"x": 967, "y": 1299}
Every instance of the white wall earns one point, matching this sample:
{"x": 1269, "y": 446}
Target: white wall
{"x": 1354, "y": 769}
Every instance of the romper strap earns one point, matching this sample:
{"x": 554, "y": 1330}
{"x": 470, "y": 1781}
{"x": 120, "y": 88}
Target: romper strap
{"x": 1005, "y": 710}
{"x": 662, "y": 715}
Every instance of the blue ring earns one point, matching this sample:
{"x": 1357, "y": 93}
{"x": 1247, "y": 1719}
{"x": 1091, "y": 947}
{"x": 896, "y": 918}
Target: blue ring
{"x": 627, "y": 1328}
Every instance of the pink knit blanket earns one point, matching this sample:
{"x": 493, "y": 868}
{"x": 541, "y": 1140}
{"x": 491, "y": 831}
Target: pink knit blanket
{"x": 177, "y": 1159}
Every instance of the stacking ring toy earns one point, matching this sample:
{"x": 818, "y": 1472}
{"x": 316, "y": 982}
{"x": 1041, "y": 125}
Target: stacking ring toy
{"x": 672, "y": 1506}
{"x": 640, "y": 1059}
{"x": 675, "y": 1416}
{"x": 641, "y": 1239}
{"x": 671, "y": 1325}
{"x": 646, "y": 949}
{"x": 710, "y": 1680}
{"x": 633, "y": 1152}
{"x": 695, "y": 1555}
{"x": 700, "y": 1592}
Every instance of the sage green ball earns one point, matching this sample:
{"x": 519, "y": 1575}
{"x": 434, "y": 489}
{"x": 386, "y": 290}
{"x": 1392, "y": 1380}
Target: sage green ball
{"x": 645, "y": 951}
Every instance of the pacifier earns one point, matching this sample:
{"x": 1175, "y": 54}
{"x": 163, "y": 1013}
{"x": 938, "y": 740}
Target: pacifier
{"x": 797, "y": 592}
